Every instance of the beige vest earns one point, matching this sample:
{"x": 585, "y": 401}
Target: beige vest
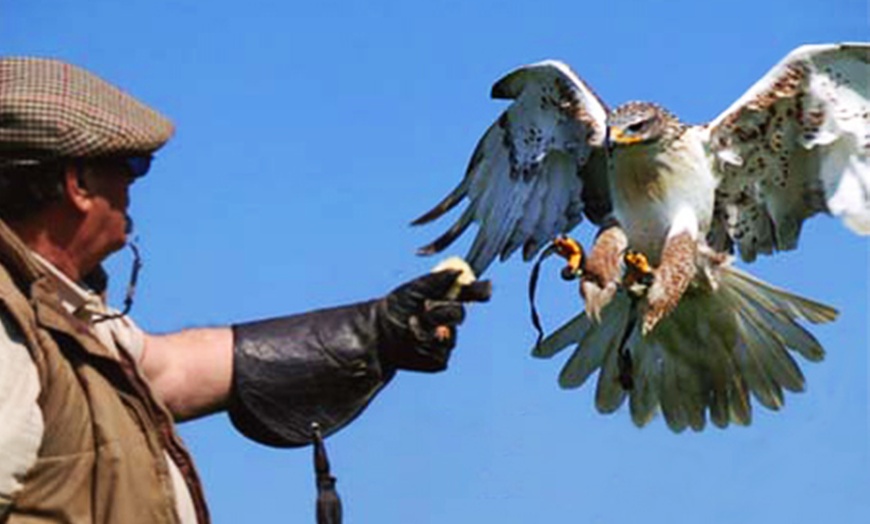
{"x": 102, "y": 455}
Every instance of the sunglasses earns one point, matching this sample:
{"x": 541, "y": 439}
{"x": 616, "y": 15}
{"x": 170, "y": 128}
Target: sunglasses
{"x": 138, "y": 165}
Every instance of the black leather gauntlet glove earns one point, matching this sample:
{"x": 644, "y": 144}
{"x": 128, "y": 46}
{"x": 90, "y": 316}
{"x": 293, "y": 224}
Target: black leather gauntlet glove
{"x": 325, "y": 366}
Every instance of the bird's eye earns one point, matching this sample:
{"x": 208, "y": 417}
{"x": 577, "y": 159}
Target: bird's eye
{"x": 636, "y": 127}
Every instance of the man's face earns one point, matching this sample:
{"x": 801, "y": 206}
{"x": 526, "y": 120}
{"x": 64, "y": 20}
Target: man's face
{"x": 108, "y": 182}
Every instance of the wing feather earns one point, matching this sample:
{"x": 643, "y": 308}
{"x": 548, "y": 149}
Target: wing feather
{"x": 450, "y": 235}
{"x": 796, "y": 144}
{"x": 536, "y": 206}
{"x": 529, "y": 176}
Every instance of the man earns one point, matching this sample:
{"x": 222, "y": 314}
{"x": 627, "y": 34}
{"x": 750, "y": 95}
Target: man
{"x": 87, "y": 399}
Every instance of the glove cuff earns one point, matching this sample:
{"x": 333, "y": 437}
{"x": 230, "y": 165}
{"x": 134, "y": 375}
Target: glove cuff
{"x": 289, "y": 372}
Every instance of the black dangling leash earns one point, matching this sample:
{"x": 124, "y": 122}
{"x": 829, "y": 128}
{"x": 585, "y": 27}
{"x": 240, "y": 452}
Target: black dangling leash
{"x": 572, "y": 252}
{"x": 131, "y": 287}
{"x": 328, "y": 501}
{"x": 533, "y": 287}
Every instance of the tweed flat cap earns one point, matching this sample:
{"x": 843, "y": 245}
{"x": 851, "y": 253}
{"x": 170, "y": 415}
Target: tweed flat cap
{"x": 51, "y": 109}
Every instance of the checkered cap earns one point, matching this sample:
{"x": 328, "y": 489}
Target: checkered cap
{"x": 51, "y": 109}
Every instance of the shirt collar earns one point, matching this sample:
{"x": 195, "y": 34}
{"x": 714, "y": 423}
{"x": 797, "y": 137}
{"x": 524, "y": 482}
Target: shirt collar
{"x": 78, "y": 299}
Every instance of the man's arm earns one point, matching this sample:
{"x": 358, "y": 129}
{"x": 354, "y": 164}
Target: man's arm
{"x": 190, "y": 371}
{"x": 276, "y": 377}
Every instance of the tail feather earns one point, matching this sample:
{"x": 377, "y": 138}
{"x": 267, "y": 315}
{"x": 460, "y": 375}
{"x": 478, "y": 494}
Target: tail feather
{"x": 773, "y": 353}
{"x": 609, "y": 393}
{"x": 715, "y": 349}
{"x": 776, "y": 299}
{"x": 800, "y": 340}
{"x": 572, "y": 331}
{"x": 764, "y": 346}
{"x": 739, "y": 407}
{"x": 718, "y": 400}
{"x": 750, "y": 359}
{"x": 598, "y": 341}
{"x": 695, "y": 397}
{"x": 779, "y": 308}
{"x": 675, "y": 413}
{"x": 728, "y": 399}
{"x": 644, "y": 401}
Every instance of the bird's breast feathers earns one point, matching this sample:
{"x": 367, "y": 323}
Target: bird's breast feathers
{"x": 651, "y": 183}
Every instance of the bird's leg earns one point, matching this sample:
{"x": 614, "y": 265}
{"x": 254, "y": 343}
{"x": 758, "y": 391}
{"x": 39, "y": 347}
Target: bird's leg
{"x": 671, "y": 278}
{"x": 603, "y": 270}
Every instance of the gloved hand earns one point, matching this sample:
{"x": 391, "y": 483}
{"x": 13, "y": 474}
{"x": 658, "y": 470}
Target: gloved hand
{"x": 418, "y": 320}
{"x": 325, "y": 366}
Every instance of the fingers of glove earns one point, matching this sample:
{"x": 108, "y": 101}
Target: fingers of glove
{"x": 408, "y": 299}
{"x": 426, "y": 361}
{"x": 433, "y": 285}
{"x": 442, "y": 312}
{"x": 477, "y": 291}
{"x": 433, "y": 348}
{"x": 432, "y": 337}
{"x": 444, "y": 333}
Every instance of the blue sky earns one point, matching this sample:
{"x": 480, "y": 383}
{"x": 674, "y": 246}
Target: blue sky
{"x": 310, "y": 134}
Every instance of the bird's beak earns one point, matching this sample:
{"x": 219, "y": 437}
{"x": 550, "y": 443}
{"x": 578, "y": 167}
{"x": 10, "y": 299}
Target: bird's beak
{"x": 617, "y": 136}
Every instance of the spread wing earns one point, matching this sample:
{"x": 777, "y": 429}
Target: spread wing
{"x": 536, "y": 171}
{"x": 797, "y": 143}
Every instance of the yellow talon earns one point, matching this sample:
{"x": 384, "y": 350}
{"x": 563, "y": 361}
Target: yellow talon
{"x": 572, "y": 252}
{"x": 638, "y": 274}
{"x": 637, "y": 261}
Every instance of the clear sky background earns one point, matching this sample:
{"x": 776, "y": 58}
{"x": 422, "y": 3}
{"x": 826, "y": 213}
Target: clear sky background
{"x": 311, "y": 133}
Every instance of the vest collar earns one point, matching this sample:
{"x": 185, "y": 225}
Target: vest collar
{"x": 17, "y": 258}
{"x": 43, "y": 286}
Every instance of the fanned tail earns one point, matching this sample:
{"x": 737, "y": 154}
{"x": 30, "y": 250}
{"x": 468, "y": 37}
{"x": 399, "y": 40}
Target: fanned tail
{"x": 719, "y": 345}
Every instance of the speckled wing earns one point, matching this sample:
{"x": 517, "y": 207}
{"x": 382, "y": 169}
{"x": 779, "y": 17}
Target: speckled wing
{"x": 538, "y": 169}
{"x": 797, "y": 143}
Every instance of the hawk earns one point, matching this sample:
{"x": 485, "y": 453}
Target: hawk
{"x": 699, "y": 336}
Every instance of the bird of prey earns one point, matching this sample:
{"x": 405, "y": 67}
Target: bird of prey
{"x": 695, "y": 337}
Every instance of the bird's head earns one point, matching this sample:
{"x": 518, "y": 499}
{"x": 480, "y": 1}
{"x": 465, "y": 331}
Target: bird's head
{"x": 640, "y": 123}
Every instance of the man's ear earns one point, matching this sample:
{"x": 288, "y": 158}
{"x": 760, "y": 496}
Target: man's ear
{"x": 76, "y": 188}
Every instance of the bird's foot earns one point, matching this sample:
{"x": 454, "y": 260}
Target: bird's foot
{"x": 572, "y": 252}
{"x": 638, "y": 275}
